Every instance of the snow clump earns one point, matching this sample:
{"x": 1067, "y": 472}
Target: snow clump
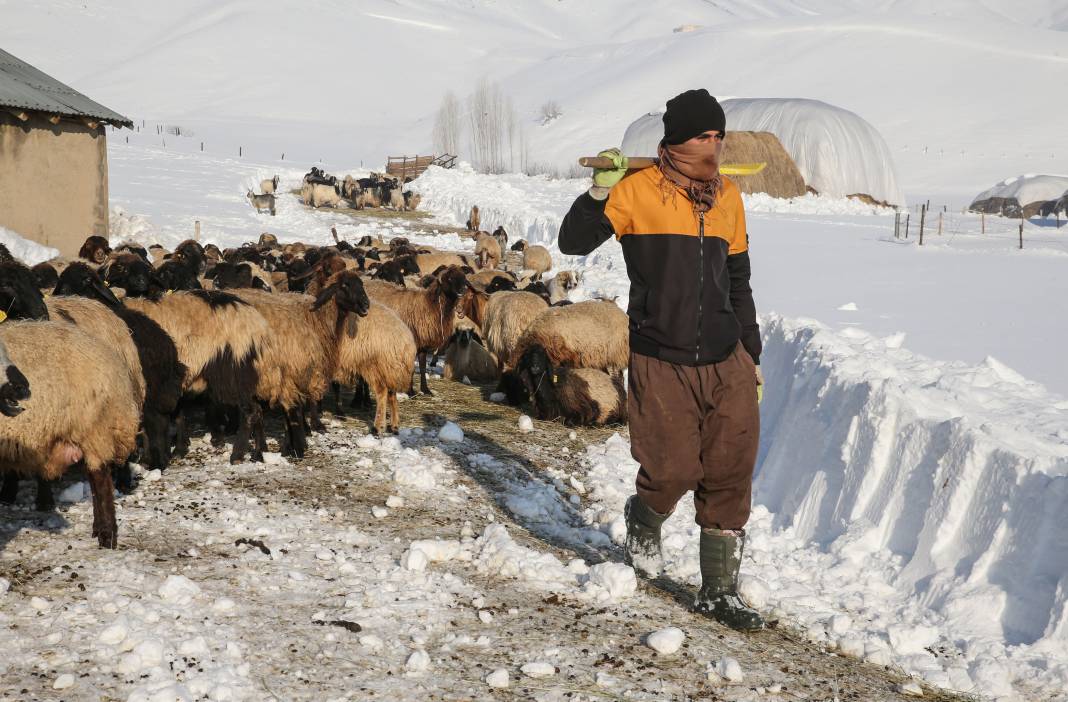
{"x": 666, "y": 641}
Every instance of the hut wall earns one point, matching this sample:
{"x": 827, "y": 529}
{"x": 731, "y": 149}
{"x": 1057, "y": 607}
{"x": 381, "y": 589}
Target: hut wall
{"x": 53, "y": 180}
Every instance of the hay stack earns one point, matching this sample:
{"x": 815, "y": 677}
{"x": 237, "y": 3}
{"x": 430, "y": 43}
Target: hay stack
{"x": 780, "y": 178}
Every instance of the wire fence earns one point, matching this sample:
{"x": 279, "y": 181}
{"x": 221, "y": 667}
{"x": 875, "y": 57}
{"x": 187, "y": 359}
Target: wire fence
{"x": 925, "y": 223}
{"x": 177, "y": 138}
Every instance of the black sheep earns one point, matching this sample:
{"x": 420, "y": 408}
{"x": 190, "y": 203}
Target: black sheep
{"x": 163, "y": 372}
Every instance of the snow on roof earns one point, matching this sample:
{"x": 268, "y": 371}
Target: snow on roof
{"x": 837, "y": 152}
{"x": 1027, "y": 189}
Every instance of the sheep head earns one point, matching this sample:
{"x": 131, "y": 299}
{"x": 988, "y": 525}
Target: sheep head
{"x": 20, "y": 298}
{"x": 177, "y": 274}
{"x": 45, "y": 275}
{"x": 134, "y": 275}
{"x": 15, "y": 388}
{"x": 80, "y": 279}
{"x": 453, "y": 283}
{"x": 500, "y": 283}
{"x": 536, "y": 371}
{"x": 348, "y": 292}
{"x": 95, "y": 249}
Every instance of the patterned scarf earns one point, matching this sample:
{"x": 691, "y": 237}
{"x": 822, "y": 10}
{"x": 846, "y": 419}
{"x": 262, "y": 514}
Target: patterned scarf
{"x": 695, "y": 169}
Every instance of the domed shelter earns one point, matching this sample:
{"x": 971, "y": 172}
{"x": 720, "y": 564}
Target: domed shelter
{"x": 1024, "y": 196}
{"x": 780, "y": 177}
{"x": 836, "y": 152}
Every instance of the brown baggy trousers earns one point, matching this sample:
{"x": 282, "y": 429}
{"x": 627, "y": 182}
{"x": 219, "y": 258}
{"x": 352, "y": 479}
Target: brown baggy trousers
{"x": 695, "y": 428}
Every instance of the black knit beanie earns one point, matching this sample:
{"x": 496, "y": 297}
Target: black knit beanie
{"x": 691, "y": 113}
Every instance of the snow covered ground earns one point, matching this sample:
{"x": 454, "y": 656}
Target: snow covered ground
{"x": 398, "y": 569}
{"x": 879, "y": 538}
{"x": 911, "y": 484}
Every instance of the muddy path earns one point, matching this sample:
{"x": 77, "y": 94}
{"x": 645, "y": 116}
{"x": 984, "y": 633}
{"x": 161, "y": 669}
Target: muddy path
{"x": 301, "y": 591}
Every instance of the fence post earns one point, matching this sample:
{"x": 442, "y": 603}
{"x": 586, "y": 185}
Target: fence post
{"x": 939, "y": 224}
{"x": 240, "y": 151}
{"x": 196, "y": 230}
{"x": 201, "y": 146}
{"x": 982, "y": 221}
{"x": 923, "y": 217}
{"x": 908, "y": 216}
{"x": 1021, "y": 234}
{"x": 897, "y": 224}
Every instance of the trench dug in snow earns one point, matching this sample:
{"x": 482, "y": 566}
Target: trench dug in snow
{"x": 954, "y": 472}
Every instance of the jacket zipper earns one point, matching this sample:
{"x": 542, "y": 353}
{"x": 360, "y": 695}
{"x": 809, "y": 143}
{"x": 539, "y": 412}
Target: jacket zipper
{"x": 700, "y": 282}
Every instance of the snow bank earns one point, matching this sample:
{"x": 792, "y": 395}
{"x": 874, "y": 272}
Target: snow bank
{"x": 958, "y": 470}
{"x": 906, "y": 511}
{"x": 528, "y": 207}
{"x": 837, "y": 152}
{"x": 29, "y": 252}
{"x": 532, "y": 207}
{"x": 1027, "y": 189}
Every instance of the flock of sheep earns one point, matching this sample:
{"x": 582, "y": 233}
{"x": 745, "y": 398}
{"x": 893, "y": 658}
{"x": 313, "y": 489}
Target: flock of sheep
{"x": 106, "y": 356}
{"x": 319, "y": 189}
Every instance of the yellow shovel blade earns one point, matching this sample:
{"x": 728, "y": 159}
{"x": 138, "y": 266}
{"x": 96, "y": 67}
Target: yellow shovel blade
{"x": 742, "y": 169}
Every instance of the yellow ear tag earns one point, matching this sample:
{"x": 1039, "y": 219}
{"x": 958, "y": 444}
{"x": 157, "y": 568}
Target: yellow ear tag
{"x": 3, "y": 316}
{"x": 107, "y": 284}
{"x": 168, "y": 292}
{"x": 556, "y": 378}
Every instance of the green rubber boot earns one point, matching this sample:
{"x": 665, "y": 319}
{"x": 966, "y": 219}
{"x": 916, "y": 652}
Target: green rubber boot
{"x": 721, "y": 558}
{"x": 643, "y": 538}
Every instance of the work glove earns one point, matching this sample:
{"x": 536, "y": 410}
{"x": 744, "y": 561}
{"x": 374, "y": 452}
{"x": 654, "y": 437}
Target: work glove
{"x": 760, "y": 385}
{"x": 607, "y": 177}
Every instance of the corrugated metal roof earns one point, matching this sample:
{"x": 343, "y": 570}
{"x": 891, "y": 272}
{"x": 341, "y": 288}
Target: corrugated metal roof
{"x": 23, "y": 86}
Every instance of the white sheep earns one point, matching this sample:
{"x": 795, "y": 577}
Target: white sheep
{"x": 269, "y": 186}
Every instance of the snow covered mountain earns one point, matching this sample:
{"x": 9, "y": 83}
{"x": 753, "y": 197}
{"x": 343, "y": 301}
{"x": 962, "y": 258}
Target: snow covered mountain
{"x": 965, "y": 93}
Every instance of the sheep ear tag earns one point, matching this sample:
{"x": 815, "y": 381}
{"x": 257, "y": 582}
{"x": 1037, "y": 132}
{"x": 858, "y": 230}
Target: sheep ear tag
{"x": 556, "y": 378}
{"x": 3, "y": 316}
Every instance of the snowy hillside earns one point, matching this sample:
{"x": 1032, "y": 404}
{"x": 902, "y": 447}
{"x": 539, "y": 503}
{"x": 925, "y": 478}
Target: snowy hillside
{"x": 309, "y": 81}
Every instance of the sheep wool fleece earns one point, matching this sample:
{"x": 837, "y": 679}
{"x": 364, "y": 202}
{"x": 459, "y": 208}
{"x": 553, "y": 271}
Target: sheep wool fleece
{"x": 695, "y": 428}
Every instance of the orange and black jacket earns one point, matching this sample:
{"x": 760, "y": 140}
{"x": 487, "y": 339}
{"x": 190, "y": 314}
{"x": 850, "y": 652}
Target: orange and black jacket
{"x": 690, "y": 299}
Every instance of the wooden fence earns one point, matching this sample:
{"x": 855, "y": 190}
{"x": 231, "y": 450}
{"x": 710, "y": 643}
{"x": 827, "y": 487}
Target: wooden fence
{"x": 405, "y": 167}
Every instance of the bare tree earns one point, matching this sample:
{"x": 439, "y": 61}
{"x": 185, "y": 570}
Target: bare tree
{"x": 498, "y": 142}
{"x": 448, "y": 126}
{"x": 550, "y": 111}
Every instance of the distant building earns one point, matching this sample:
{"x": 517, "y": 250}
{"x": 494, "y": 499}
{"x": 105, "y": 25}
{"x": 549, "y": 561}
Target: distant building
{"x": 53, "y": 158}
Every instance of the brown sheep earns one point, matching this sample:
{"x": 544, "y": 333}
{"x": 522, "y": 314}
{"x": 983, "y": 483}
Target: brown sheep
{"x": 579, "y": 396}
{"x": 508, "y": 314}
{"x": 298, "y": 358}
{"x": 430, "y": 262}
{"x": 537, "y": 259}
{"x": 474, "y": 222}
{"x": 381, "y": 355}
{"x": 68, "y": 420}
{"x": 429, "y": 313}
{"x": 487, "y": 252}
{"x": 590, "y": 334}
{"x": 466, "y": 356}
{"x": 482, "y": 279}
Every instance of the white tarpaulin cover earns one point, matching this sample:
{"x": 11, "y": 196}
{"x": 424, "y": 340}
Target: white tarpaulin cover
{"x": 837, "y": 152}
